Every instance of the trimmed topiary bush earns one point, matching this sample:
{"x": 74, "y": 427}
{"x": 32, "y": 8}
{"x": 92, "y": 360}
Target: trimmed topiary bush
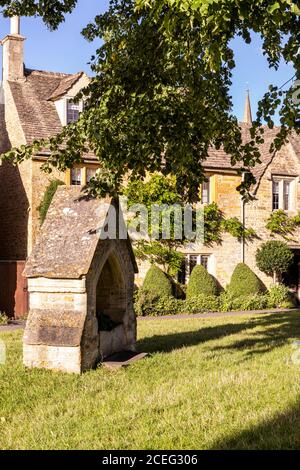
{"x": 157, "y": 283}
{"x": 201, "y": 283}
{"x": 244, "y": 282}
{"x": 274, "y": 258}
{"x": 156, "y": 286}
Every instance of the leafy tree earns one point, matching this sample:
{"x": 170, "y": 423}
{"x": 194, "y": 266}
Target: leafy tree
{"x": 51, "y": 11}
{"x": 201, "y": 282}
{"x": 156, "y": 252}
{"x": 274, "y": 258}
{"x": 161, "y": 92}
{"x": 160, "y": 191}
{"x": 244, "y": 282}
{"x": 235, "y": 228}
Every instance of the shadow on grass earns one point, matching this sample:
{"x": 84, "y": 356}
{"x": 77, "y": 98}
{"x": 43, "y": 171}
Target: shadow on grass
{"x": 282, "y": 432}
{"x": 271, "y": 331}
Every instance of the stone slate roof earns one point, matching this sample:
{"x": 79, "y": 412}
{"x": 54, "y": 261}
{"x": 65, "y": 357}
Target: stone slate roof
{"x": 38, "y": 116}
{"x": 33, "y": 98}
{"x": 65, "y": 85}
{"x": 69, "y": 237}
{"x": 218, "y": 159}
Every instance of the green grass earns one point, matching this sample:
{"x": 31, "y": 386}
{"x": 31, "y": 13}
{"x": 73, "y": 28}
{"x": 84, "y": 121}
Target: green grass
{"x": 213, "y": 383}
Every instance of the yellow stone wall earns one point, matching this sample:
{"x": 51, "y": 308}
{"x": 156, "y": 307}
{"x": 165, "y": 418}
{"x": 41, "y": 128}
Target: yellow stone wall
{"x": 285, "y": 163}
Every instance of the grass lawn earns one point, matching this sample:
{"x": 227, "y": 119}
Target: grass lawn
{"x": 222, "y": 383}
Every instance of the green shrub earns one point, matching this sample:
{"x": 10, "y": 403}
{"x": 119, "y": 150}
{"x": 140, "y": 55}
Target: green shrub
{"x": 157, "y": 283}
{"x": 201, "y": 304}
{"x": 156, "y": 286}
{"x": 244, "y": 282}
{"x": 249, "y": 302}
{"x": 201, "y": 282}
{"x": 178, "y": 290}
{"x": 274, "y": 258}
{"x": 280, "y": 297}
{"x": 254, "y": 302}
{"x": 47, "y": 199}
{"x": 3, "y": 319}
{"x": 159, "y": 307}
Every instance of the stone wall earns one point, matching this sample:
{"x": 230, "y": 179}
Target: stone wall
{"x": 55, "y": 323}
{"x": 285, "y": 163}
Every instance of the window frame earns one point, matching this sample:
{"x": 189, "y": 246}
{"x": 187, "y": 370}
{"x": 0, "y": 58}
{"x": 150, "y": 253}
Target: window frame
{"x": 186, "y": 271}
{"x": 206, "y": 188}
{"x": 282, "y": 182}
{"x": 80, "y": 105}
{"x": 89, "y": 169}
{"x": 79, "y": 170}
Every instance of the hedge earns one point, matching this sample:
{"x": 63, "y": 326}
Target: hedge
{"x": 244, "y": 282}
{"x": 201, "y": 283}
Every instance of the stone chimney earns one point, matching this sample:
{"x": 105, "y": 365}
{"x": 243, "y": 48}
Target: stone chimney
{"x": 13, "y": 52}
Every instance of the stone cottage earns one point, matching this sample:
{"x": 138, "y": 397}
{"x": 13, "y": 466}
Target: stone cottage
{"x": 36, "y": 104}
{"x": 81, "y": 281}
{"x": 277, "y": 187}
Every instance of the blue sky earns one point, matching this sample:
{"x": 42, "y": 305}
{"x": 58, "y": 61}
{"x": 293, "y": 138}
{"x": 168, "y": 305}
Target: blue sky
{"x": 65, "y": 50}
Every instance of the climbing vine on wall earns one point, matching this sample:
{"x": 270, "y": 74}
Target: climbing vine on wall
{"x": 215, "y": 224}
{"x": 47, "y": 199}
{"x": 279, "y": 223}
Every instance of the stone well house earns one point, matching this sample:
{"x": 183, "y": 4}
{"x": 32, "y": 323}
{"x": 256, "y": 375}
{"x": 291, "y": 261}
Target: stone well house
{"x": 81, "y": 284}
{"x": 37, "y": 104}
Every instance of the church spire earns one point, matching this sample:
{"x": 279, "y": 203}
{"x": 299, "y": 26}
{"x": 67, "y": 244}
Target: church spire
{"x": 248, "y": 113}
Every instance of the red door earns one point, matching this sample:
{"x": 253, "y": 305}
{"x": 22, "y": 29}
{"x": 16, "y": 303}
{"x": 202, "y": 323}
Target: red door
{"x": 13, "y": 289}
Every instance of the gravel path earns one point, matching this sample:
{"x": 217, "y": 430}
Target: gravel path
{"x": 20, "y": 325}
{"x": 13, "y": 326}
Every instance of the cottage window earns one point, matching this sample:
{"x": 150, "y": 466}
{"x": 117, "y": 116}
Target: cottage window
{"x": 193, "y": 261}
{"x": 204, "y": 261}
{"x": 275, "y": 195}
{"x": 283, "y": 194}
{"x": 286, "y": 195}
{"x": 90, "y": 173}
{"x": 189, "y": 263}
{"x": 73, "y": 111}
{"x": 76, "y": 178}
{"x": 205, "y": 196}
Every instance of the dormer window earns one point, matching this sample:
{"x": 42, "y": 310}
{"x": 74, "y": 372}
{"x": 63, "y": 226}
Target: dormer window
{"x": 73, "y": 111}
